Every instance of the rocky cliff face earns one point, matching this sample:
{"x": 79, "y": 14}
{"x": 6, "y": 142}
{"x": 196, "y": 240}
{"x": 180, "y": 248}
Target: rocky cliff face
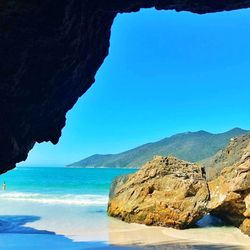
{"x": 231, "y": 155}
{"x": 50, "y": 52}
{"x": 165, "y": 192}
{"x": 230, "y": 191}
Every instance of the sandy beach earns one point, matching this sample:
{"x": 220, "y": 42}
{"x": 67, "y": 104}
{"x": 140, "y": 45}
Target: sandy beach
{"x": 72, "y": 232}
{"x": 58, "y": 217}
{"x": 168, "y": 238}
{"x": 127, "y": 236}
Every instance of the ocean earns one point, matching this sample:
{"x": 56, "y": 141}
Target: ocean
{"x": 60, "y": 185}
{"x": 49, "y": 201}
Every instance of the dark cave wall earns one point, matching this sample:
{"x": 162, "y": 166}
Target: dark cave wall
{"x": 50, "y": 52}
{"x": 49, "y": 56}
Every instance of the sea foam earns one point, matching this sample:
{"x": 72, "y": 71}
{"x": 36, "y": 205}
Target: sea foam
{"x": 63, "y": 199}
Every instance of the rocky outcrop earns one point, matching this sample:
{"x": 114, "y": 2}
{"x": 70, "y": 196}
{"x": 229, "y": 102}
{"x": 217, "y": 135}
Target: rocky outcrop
{"x": 245, "y": 226}
{"x": 230, "y": 191}
{"x": 164, "y": 192}
{"x": 231, "y": 155}
{"x": 50, "y": 52}
{"x": 174, "y": 193}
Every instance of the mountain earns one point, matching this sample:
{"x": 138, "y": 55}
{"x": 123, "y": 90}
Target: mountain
{"x": 189, "y": 146}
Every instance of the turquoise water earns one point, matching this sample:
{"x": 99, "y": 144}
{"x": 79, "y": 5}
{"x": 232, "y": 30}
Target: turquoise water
{"x": 55, "y": 185}
{"x": 58, "y": 205}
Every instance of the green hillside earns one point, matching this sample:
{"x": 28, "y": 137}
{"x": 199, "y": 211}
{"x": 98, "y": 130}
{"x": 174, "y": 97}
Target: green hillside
{"x": 190, "y": 146}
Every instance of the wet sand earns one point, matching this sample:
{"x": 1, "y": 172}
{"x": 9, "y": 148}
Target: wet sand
{"x": 30, "y": 226}
{"x": 18, "y": 233}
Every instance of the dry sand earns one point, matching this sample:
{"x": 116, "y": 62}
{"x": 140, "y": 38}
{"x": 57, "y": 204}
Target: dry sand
{"x": 121, "y": 233}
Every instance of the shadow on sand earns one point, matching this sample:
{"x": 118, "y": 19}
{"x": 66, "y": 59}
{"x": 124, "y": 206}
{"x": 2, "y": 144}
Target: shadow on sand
{"x": 15, "y": 225}
{"x": 15, "y": 235}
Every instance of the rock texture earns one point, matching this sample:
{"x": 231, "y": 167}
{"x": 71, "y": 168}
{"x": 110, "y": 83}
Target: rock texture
{"x": 229, "y": 156}
{"x": 174, "y": 193}
{"x": 50, "y": 52}
{"x": 165, "y": 192}
{"x": 230, "y": 191}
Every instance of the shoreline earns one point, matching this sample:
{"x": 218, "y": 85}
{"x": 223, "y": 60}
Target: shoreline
{"x": 79, "y": 231}
{"x": 124, "y": 234}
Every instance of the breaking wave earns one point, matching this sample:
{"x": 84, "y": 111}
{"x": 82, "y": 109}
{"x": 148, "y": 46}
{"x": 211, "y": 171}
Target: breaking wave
{"x": 63, "y": 199}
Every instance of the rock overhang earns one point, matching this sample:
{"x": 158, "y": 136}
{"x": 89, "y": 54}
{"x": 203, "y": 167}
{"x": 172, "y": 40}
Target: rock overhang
{"x": 50, "y": 52}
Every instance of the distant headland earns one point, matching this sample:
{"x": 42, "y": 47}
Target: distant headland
{"x": 189, "y": 146}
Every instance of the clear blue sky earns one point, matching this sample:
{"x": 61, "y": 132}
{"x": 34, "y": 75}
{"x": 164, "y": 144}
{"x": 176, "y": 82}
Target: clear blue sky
{"x": 166, "y": 73}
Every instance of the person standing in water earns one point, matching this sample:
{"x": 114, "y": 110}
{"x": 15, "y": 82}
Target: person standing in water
{"x": 4, "y": 186}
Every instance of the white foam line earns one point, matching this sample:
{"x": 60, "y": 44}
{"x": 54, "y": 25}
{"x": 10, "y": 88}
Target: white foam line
{"x": 69, "y": 199}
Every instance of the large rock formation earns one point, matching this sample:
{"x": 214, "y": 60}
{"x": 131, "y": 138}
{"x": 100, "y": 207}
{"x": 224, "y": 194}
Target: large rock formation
{"x": 50, "y": 52}
{"x": 175, "y": 193}
{"x": 165, "y": 192}
{"x": 230, "y": 191}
